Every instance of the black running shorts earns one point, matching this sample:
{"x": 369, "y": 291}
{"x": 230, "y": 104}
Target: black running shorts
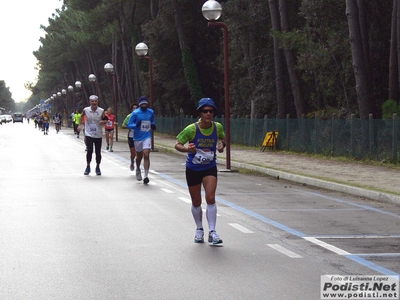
{"x": 131, "y": 142}
{"x": 196, "y": 177}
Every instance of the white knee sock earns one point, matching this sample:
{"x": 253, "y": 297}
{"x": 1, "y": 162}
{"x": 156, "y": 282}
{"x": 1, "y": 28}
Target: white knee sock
{"x": 211, "y": 213}
{"x": 197, "y": 213}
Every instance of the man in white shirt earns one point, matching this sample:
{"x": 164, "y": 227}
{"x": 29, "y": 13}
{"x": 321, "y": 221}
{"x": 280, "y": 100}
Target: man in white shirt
{"x": 93, "y": 123}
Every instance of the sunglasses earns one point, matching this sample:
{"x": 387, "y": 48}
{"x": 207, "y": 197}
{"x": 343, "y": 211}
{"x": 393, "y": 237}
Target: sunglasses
{"x": 204, "y": 111}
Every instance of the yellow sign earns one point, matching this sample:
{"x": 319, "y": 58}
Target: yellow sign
{"x": 270, "y": 140}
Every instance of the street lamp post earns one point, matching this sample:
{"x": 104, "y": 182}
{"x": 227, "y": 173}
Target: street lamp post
{"x": 64, "y": 95}
{"x": 142, "y": 50}
{"x": 57, "y": 109}
{"x": 92, "y": 79}
{"x": 53, "y": 104}
{"x": 71, "y": 90}
{"x": 79, "y": 86}
{"x": 109, "y": 68}
{"x": 51, "y": 99}
{"x": 212, "y": 10}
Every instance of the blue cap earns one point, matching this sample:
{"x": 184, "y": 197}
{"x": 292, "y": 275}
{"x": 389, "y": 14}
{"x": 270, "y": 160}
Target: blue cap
{"x": 143, "y": 100}
{"x": 206, "y": 102}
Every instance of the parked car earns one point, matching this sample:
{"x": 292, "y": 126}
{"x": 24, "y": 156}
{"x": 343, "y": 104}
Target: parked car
{"x": 8, "y": 118}
{"x": 18, "y": 117}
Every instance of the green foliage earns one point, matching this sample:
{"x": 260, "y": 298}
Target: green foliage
{"x": 86, "y": 34}
{"x": 390, "y": 107}
{"x": 84, "y": 5}
{"x": 6, "y": 101}
{"x": 191, "y": 75}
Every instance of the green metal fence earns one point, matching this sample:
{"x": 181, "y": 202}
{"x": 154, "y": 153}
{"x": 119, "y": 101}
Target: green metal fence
{"x": 362, "y": 139}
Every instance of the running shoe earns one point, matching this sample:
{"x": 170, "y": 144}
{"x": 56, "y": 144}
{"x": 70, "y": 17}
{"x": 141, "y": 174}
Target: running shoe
{"x": 111, "y": 150}
{"x": 108, "y": 146}
{"x": 146, "y": 180}
{"x": 199, "y": 237}
{"x": 132, "y": 167}
{"x": 87, "y": 171}
{"x": 138, "y": 174}
{"x": 98, "y": 171}
{"x": 213, "y": 238}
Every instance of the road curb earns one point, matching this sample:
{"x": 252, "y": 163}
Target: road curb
{"x": 328, "y": 185}
{"x": 324, "y": 184}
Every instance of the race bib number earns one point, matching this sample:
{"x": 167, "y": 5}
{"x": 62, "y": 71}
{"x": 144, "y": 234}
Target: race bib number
{"x": 92, "y": 128}
{"x": 203, "y": 157}
{"x": 109, "y": 123}
{"x": 130, "y": 133}
{"x": 145, "y": 126}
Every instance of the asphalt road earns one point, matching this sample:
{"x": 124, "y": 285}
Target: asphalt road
{"x": 64, "y": 235}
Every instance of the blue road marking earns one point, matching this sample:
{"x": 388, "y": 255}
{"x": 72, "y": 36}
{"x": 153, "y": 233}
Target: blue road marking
{"x": 285, "y": 228}
{"x": 371, "y": 265}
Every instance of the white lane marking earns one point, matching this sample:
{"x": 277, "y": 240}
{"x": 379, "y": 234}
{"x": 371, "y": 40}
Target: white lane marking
{"x": 240, "y": 228}
{"x": 326, "y": 246}
{"x": 153, "y": 172}
{"x": 187, "y": 200}
{"x": 167, "y": 191}
{"x": 283, "y": 250}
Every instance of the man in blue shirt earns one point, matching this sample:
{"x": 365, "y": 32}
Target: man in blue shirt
{"x": 142, "y": 123}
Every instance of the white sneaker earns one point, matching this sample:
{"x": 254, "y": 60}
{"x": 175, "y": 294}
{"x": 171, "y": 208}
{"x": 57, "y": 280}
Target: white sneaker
{"x": 213, "y": 238}
{"x": 199, "y": 237}
{"x": 138, "y": 174}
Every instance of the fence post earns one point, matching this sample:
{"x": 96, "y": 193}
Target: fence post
{"x": 352, "y": 137}
{"x": 302, "y": 133}
{"x": 333, "y": 134}
{"x": 251, "y": 131}
{"x": 287, "y": 132}
{"x": 371, "y": 134}
{"x": 316, "y": 134}
{"x": 245, "y": 137}
{"x": 394, "y": 138}
{"x": 265, "y": 126}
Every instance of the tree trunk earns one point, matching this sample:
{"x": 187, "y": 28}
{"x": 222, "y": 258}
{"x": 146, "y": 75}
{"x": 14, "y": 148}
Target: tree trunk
{"x": 126, "y": 83}
{"x": 398, "y": 51}
{"x": 290, "y": 61}
{"x": 393, "y": 59}
{"x": 363, "y": 22}
{"x": 359, "y": 66}
{"x": 189, "y": 66}
{"x": 249, "y": 54}
{"x": 278, "y": 60}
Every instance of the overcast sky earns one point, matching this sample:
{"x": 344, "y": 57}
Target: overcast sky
{"x": 20, "y": 32}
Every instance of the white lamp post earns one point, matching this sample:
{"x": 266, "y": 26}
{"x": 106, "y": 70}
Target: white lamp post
{"x": 212, "y": 11}
{"x": 92, "y": 79}
{"x": 109, "y": 69}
